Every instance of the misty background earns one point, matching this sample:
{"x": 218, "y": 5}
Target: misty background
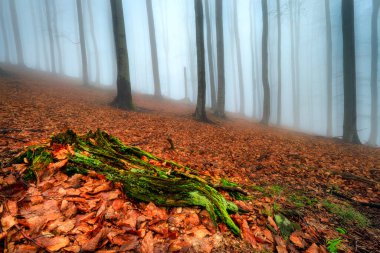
{"x": 176, "y": 46}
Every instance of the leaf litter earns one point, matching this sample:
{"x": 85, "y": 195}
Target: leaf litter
{"x": 86, "y": 212}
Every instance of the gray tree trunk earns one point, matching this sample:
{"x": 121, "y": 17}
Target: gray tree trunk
{"x": 253, "y": 72}
{"x": 36, "y": 27}
{"x": 266, "y": 104}
{"x": 124, "y": 93}
{"x": 94, "y": 41}
{"x": 209, "y": 56}
{"x": 153, "y": 49}
{"x": 82, "y": 43}
{"x": 16, "y": 32}
{"x": 374, "y": 62}
{"x": 41, "y": 15}
{"x": 350, "y": 133}
{"x": 56, "y": 35}
{"x": 4, "y": 34}
{"x": 220, "y": 59}
{"x": 297, "y": 64}
{"x": 279, "y": 94}
{"x": 49, "y": 25}
{"x": 328, "y": 68}
{"x": 185, "y": 79}
{"x": 239, "y": 62}
{"x": 200, "y": 111}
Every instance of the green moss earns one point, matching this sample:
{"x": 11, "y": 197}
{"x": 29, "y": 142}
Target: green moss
{"x": 347, "y": 214}
{"x": 107, "y": 155}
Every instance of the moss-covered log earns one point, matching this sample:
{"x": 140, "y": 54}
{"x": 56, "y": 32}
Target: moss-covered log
{"x": 144, "y": 176}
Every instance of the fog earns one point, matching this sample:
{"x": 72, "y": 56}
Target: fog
{"x": 305, "y": 88}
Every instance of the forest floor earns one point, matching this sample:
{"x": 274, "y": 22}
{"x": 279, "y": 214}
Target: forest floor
{"x": 326, "y": 188}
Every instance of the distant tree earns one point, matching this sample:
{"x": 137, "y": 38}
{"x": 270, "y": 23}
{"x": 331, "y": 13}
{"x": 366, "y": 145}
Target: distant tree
{"x": 209, "y": 56}
{"x": 82, "y": 43}
{"x": 36, "y": 37}
{"x": 94, "y": 40}
{"x": 49, "y": 24}
{"x": 374, "y": 62}
{"x": 200, "y": 111}
{"x": 185, "y": 79}
{"x": 328, "y": 68}
{"x": 153, "y": 49}
{"x": 220, "y": 58}
{"x": 297, "y": 63}
{"x": 124, "y": 93}
{"x": 279, "y": 99}
{"x": 42, "y": 24}
{"x": 239, "y": 61}
{"x": 4, "y": 33}
{"x": 253, "y": 58}
{"x": 57, "y": 37}
{"x": 266, "y": 105}
{"x": 350, "y": 133}
{"x": 16, "y": 32}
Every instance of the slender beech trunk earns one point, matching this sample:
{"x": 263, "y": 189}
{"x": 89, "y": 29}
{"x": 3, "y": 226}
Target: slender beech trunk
{"x": 185, "y": 79}
{"x": 200, "y": 111}
{"x": 297, "y": 64}
{"x": 328, "y": 68}
{"x": 220, "y": 107}
{"x": 124, "y": 93}
{"x": 374, "y": 89}
{"x": 350, "y": 133}
{"x": 279, "y": 98}
{"x": 153, "y": 49}
{"x": 82, "y": 43}
{"x": 291, "y": 19}
{"x": 253, "y": 72}
{"x": 94, "y": 41}
{"x": 49, "y": 25}
{"x": 209, "y": 56}
{"x": 41, "y": 15}
{"x": 16, "y": 32}
{"x": 4, "y": 34}
{"x": 36, "y": 36}
{"x": 266, "y": 105}
{"x": 56, "y": 35}
{"x": 239, "y": 61}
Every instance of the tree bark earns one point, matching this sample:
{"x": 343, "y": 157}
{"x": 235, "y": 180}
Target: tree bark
{"x": 266, "y": 104}
{"x": 279, "y": 94}
{"x": 253, "y": 71}
{"x": 209, "y": 56}
{"x": 16, "y": 32}
{"x": 328, "y": 68}
{"x": 239, "y": 62}
{"x": 200, "y": 111}
{"x": 124, "y": 93}
{"x": 94, "y": 41}
{"x": 374, "y": 63}
{"x": 185, "y": 79}
{"x": 49, "y": 25}
{"x": 349, "y": 73}
{"x": 4, "y": 34}
{"x": 297, "y": 64}
{"x": 153, "y": 49}
{"x": 43, "y": 37}
{"x": 82, "y": 43}
{"x": 56, "y": 35}
{"x": 220, "y": 59}
{"x": 36, "y": 26}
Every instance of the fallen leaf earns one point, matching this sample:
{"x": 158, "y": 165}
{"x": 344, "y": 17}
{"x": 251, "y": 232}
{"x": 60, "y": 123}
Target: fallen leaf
{"x": 7, "y": 222}
{"x": 147, "y": 243}
{"x": 313, "y": 249}
{"x": 281, "y": 249}
{"x": 297, "y": 240}
{"x": 54, "y": 243}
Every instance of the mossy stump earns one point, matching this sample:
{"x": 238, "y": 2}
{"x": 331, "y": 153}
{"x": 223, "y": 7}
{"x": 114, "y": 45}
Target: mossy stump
{"x": 144, "y": 177}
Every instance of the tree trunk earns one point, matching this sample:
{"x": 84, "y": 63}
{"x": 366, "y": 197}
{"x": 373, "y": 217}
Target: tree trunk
{"x": 279, "y": 94}
{"x": 349, "y": 73}
{"x": 253, "y": 72}
{"x": 185, "y": 79}
{"x": 291, "y": 19}
{"x": 43, "y": 37}
{"x": 266, "y": 104}
{"x": 328, "y": 68}
{"x": 36, "y": 37}
{"x": 4, "y": 34}
{"x": 153, "y": 49}
{"x": 220, "y": 58}
{"x": 374, "y": 90}
{"x": 82, "y": 43}
{"x": 56, "y": 35}
{"x": 50, "y": 33}
{"x": 239, "y": 63}
{"x": 200, "y": 111}
{"x": 124, "y": 93}
{"x": 94, "y": 41}
{"x": 297, "y": 64}
{"x": 16, "y": 32}
{"x": 209, "y": 56}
